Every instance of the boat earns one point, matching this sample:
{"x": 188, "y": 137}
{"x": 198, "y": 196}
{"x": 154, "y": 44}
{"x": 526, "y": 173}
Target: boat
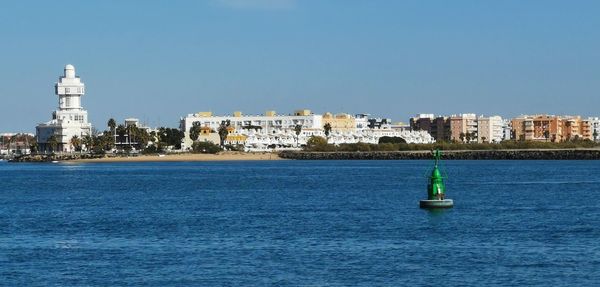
{"x": 436, "y": 189}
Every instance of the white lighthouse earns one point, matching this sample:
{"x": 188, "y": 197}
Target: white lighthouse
{"x": 69, "y": 120}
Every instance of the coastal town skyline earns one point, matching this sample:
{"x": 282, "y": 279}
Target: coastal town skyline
{"x": 394, "y": 59}
{"x": 232, "y": 113}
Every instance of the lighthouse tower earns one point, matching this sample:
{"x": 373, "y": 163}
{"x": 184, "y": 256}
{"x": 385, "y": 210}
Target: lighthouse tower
{"x": 70, "y": 120}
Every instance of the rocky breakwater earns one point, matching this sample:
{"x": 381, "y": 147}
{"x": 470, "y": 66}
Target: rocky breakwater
{"x": 555, "y": 154}
{"x": 53, "y": 157}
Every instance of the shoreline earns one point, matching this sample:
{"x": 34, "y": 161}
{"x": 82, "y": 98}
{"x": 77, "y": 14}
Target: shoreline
{"x": 521, "y": 154}
{"x": 187, "y": 157}
{"x": 183, "y": 157}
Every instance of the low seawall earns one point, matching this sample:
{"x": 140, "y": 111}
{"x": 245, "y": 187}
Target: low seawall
{"x": 54, "y": 157}
{"x": 562, "y": 154}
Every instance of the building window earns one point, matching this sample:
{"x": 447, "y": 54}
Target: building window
{"x": 67, "y": 90}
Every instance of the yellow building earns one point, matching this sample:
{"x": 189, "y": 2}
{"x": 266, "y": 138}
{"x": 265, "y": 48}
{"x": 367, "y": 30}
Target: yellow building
{"x": 235, "y": 139}
{"x": 340, "y": 122}
{"x": 302, "y": 113}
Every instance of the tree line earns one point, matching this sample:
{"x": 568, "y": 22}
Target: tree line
{"x": 319, "y": 144}
{"x": 122, "y": 138}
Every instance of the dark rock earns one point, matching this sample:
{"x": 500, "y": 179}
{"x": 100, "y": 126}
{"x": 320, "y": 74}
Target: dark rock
{"x": 562, "y": 154}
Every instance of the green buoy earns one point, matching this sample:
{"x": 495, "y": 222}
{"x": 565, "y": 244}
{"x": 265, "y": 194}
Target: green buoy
{"x": 436, "y": 190}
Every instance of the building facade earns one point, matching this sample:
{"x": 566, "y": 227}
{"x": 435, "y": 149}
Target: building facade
{"x": 490, "y": 129}
{"x": 269, "y": 124}
{"x": 438, "y": 127}
{"x": 271, "y": 131}
{"x": 551, "y": 128}
{"x": 463, "y": 128}
{"x": 340, "y": 122}
{"x": 594, "y": 123}
{"x": 69, "y": 120}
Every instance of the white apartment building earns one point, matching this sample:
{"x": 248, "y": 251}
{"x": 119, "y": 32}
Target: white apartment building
{"x": 271, "y": 131}
{"x": 506, "y": 130}
{"x": 70, "y": 119}
{"x": 595, "y": 128}
{"x": 269, "y": 125}
{"x": 490, "y": 129}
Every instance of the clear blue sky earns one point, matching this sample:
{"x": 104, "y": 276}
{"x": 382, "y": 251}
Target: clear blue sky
{"x": 160, "y": 60}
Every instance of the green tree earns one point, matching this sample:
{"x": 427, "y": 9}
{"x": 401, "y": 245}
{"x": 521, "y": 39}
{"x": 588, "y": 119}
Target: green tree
{"x": 121, "y": 135}
{"x": 316, "y": 143}
{"x": 143, "y": 138}
{"x": 327, "y": 128}
{"x": 462, "y": 137}
{"x": 170, "y": 137}
{"x": 76, "y": 143}
{"x": 392, "y": 140}
{"x": 223, "y": 131}
{"x": 297, "y": 130}
{"x": 595, "y": 134}
{"x": 195, "y": 131}
{"x": 88, "y": 142}
{"x": 205, "y": 147}
{"x": 53, "y": 142}
{"x": 112, "y": 124}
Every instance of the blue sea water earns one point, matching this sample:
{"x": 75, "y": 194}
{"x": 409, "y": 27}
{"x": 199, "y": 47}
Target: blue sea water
{"x": 299, "y": 223}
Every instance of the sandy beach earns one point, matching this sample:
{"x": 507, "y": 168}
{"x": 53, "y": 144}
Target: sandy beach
{"x": 225, "y": 156}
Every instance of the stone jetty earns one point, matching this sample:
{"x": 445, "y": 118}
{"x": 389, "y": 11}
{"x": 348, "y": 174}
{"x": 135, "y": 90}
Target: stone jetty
{"x": 553, "y": 154}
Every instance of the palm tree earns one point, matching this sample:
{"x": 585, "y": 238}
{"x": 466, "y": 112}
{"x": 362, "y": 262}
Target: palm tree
{"x": 112, "y": 124}
{"x": 76, "y": 143}
{"x": 195, "y": 131}
{"x": 298, "y": 130}
{"x": 88, "y": 141}
{"x": 462, "y": 137}
{"x": 223, "y": 131}
{"x": 53, "y": 142}
{"x": 327, "y": 128}
{"x": 33, "y": 147}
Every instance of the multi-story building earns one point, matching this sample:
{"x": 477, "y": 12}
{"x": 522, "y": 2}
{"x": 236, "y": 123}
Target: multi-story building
{"x": 506, "y": 130}
{"x": 537, "y": 128}
{"x": 379, "y": 123}
{"x": 460, "y": 128}
{"x": 550, "y": 128}
{"x": 463, "y": 128}
{"x": 340, "y": 122}
{"x": 272, "y": 131}
{"x": 594, "y": 123}
{"x": 268, "y": 124}
{"x": 437, "y": 127}
{"x": 362, "y": 121}
{"x": 70, "y": 120}
{"x": 490, "y": 129}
